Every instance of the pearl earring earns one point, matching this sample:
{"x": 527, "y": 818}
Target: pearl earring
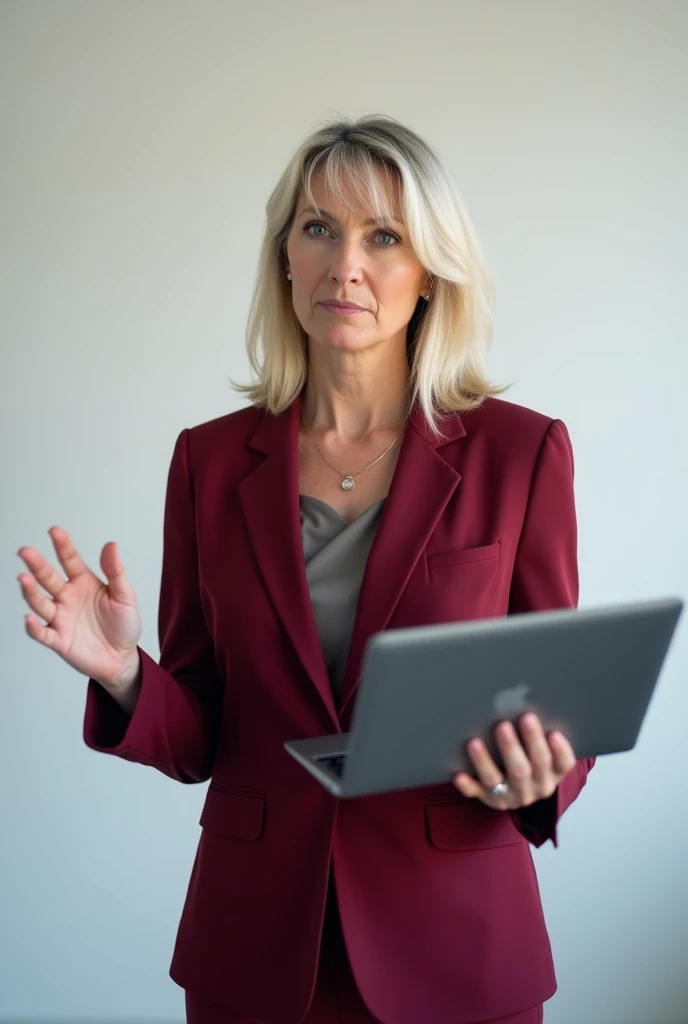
{"x": 288, "y": 277}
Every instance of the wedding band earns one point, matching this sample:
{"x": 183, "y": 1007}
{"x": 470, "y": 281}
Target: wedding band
{"x": 501, "y": 789}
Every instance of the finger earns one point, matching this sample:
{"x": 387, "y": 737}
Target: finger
{"x": 563, "y": 754}
{"x": 537, "y": 748}
{"x": 43, "y": 634}
{"x": 517, "y": 766}
{"x": 35, "y": 598}
{"x": 70, "y": 560}
{"x": 111, "y": 564}
{"x": 48, "y": 577}
{"x": 488, "y": 772}
{"x": 470, "y": 787}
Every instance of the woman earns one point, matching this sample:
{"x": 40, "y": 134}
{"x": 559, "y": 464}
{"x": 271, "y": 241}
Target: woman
{"x": 375, "y": 481}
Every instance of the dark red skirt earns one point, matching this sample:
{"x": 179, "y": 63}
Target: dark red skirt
{"x": 336, "y": 999}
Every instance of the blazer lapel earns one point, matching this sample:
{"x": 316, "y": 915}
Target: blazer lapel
{"x": 270, "y": 500}
{"x": 422, "y": 484}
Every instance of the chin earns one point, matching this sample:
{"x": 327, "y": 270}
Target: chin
{"x": 345, "y": 341}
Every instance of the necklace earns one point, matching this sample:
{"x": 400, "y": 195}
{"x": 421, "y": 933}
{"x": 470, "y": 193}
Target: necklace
{"x": 348, "y": 478}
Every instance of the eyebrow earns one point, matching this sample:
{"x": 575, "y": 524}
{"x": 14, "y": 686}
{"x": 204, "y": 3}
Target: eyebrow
{"x": 330, "y": 216}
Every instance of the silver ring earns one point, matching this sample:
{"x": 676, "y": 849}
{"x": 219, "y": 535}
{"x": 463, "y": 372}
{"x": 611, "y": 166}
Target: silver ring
{"x": 501, "y": 789}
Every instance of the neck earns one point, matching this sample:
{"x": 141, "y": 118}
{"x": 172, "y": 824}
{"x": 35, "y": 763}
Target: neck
{"x": 352, "y": 401}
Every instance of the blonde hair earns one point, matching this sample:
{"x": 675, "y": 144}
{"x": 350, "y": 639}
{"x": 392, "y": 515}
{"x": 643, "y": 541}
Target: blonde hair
{"x": 447, "y": 337}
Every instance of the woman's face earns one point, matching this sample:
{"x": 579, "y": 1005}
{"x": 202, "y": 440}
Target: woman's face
{"x": 340, "y": 256}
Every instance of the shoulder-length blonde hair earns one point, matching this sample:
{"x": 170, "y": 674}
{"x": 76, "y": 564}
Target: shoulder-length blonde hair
{"x": 447, "y": 337}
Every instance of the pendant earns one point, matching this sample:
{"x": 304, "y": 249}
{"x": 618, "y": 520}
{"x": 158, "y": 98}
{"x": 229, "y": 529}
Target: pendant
{"x": 348, "y": 483}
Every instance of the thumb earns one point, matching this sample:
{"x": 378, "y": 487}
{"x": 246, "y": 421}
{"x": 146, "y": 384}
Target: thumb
{"x": 120, "y": 588}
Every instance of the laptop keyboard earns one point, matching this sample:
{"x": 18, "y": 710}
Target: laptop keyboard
{"x": 334, "y": 761}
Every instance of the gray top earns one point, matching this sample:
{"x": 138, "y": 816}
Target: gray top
{"x": 335, "y": 553}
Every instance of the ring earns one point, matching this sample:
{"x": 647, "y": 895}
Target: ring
{"x": 501, "y": 789}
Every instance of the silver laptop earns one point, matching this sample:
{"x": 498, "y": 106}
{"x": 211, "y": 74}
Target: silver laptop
{"x": 426, "y": 690}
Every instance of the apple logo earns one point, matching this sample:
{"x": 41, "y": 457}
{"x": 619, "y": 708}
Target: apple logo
{"x": 511, "y": 700}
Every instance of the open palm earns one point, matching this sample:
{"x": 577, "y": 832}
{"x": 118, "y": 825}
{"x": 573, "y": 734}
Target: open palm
{"x": 94, "y": 626}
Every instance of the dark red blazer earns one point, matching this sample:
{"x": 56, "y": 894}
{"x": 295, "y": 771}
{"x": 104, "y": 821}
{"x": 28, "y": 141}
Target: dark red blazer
{"x": 438, "y": 895}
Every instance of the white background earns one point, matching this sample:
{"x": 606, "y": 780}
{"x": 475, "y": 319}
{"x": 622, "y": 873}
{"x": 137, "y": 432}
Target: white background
{"x": 140, "y": 141}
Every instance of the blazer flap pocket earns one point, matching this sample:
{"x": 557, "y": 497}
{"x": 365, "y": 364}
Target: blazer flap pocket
{"x": 238, "y": 811}
{"x": 468, "y": 825}
{"x": 461, "y": 556}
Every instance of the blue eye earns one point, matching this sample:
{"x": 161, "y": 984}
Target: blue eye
{"x": 381, "y": 231}
{"x": 313, "y": 224}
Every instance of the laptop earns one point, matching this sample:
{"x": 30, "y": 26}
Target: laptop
{"x": 426, "y": 690}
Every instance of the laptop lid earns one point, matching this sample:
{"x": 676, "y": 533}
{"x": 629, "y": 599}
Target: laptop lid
{"x": 426, "y": 690}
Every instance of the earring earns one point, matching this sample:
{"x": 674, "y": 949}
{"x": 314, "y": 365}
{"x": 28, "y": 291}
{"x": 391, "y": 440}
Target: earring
{"x": 288, "y": 277}
{"x": 427, "y": 297}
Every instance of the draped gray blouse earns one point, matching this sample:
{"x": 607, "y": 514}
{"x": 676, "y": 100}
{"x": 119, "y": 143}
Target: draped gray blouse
{"x": 335, "y": 554}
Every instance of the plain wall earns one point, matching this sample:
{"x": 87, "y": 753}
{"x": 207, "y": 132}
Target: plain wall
{"x": 140, "y": 141}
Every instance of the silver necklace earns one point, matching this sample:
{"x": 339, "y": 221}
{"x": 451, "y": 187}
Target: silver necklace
{"x": 348, "y": 478}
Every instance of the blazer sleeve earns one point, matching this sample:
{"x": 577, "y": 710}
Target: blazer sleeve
{"x": 545, "y": 577}
{"x": 175, "y": 723}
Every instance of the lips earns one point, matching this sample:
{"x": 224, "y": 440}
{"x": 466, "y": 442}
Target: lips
{"x": 342, "y": 305}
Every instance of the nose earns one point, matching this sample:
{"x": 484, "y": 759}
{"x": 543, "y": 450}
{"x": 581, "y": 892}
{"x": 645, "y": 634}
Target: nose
{"x": 345, "y": 263}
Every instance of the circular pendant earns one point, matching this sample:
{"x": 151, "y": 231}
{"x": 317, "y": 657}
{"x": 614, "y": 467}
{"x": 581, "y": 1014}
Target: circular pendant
{"x": 348, "y": 483}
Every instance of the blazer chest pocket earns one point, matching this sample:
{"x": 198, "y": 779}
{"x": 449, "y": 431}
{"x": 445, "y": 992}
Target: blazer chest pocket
{"x": 488, "y": 553}
{"x": 235, "y": 811}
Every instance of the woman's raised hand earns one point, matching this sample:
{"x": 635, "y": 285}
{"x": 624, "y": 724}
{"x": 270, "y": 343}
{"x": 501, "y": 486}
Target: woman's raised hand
{"x": 94, "y": 626}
